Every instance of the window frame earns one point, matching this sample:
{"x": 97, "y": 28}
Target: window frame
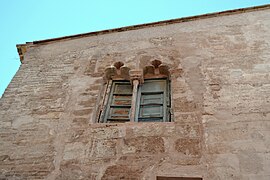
{"x": 166, "y": 101}
{"x": 166, "y": 104}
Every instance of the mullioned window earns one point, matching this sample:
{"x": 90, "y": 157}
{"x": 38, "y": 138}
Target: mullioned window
{"x": 137, "y": 95}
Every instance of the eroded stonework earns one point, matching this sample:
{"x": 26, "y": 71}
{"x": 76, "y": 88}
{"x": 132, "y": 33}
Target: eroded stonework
{"x": 219, "y": 72}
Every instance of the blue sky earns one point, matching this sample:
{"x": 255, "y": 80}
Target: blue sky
{"x": 31, "y": 20}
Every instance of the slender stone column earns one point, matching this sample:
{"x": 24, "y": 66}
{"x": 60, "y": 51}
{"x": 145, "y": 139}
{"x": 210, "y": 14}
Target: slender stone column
{"x": 134, "y": 100}
{"x": 136, "y": 78}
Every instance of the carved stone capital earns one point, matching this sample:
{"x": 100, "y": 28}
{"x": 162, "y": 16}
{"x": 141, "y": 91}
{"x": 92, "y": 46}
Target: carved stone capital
{"x": 136, "y": 74}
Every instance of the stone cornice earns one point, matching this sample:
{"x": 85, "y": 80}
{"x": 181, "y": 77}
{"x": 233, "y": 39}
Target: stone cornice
{"x": 21, "y": 49}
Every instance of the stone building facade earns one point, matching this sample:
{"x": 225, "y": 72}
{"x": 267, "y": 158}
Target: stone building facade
{"x": 217, "y": 65}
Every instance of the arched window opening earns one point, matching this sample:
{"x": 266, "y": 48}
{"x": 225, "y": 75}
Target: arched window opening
{"x": 137, "y": 95}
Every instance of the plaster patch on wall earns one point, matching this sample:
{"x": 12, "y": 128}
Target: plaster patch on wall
{"x": 21, "y": 121}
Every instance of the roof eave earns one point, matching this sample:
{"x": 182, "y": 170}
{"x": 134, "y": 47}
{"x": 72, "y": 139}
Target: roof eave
{"x": 22, "y": 48}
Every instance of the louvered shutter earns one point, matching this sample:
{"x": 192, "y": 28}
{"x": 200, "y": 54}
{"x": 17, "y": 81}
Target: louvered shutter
{"x": 153, "y": 101}
{"x": 119, "y": 106}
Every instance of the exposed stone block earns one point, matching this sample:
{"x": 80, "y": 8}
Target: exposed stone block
{"x": 188, "y": 146}
{"x": 143, "y": 145}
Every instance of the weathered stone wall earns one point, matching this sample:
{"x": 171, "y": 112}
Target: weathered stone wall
{"x": 220, "y": 96}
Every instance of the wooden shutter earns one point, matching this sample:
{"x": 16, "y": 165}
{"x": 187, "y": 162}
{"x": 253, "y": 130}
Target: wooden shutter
{"x": 119, "y": 103}
{"x": 153, "y": 101}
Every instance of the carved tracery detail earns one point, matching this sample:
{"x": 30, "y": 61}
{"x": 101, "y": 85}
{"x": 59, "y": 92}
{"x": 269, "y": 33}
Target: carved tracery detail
{"x": 156, "y": 69}
{"x": 117, "y": 71}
